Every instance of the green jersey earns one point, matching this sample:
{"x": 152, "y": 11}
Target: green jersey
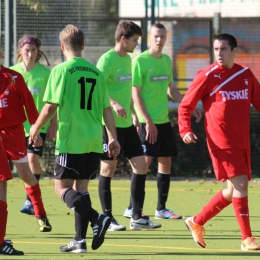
{"x": 79, "y": 90}
{"x": 36, "y": 80}
{"x": 153, "y": 76}
{"x": 117, "y": 72}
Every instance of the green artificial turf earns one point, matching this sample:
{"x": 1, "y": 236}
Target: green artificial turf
{"x": 172, "y": 241}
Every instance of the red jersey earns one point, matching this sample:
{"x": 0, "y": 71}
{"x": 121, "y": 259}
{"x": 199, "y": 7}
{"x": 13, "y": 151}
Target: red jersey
{"x": 13, "y": 101}
{"x": 226, "y": 95}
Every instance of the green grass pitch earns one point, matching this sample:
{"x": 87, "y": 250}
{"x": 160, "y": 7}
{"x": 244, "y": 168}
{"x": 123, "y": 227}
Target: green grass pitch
{"x": 172, "y": 241}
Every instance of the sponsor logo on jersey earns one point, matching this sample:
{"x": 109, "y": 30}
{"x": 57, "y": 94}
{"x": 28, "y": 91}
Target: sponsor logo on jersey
{"x": 118, "y": 70}
{"x": 217, "y": 76}
{"x": 159, "y": 78}
{"x": 246, "y": 81}
{"x": 244, "y": 215}
{"x": 35, "y": 90}
{"x": 234, "y": 95}
{"x": 3, "y": 102}
{"x": 151, "y": 69}
{"x": 124, "y": 78}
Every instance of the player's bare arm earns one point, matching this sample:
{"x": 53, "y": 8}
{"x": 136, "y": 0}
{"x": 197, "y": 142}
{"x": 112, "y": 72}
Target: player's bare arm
{"x": 120, "y": 110}
{"x": 136, "y": 122}
{"x": 151, "y": 130}
{"x": 46, "y": 114}
{"x": 190, "y": 138}
{"x": 175, "y": 94}
{"x": 113, "y": 145}
{"x": 53, "y": 128}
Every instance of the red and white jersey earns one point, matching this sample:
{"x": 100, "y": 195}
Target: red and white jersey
{"x": 226, "y": 95}
{"x": 15, "y": 100}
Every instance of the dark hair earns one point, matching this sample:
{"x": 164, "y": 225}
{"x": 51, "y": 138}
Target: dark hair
{"x": 158, "y": 25}
{"x": 128, "y": 29}
{"x": 232, "y": 42}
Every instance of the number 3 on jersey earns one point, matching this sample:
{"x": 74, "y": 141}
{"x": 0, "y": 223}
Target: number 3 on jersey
{"x": 82, "y": 82}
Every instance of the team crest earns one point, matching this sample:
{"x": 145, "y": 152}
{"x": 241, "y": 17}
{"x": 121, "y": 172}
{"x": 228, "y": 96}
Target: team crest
{"x": 246, "y": 81}
{"x": 7, "y": 92}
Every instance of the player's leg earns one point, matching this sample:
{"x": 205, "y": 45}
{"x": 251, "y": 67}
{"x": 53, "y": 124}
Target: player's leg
{"x": 107, "y": 170}
{"x": 166, "y": 149}
{"x": 34, "y": 154}
{"x": 138, "y": 222}
{"x": 240, "y": 205}
{"x": 78, "y": 243}
{"x": 33, "y": 190}
{"x": 80, "y": 167}
{"x": 6, "y": 248}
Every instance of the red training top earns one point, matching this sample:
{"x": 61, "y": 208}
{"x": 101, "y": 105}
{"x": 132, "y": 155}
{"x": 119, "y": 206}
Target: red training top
{"x": 226, "y": 95}
{"x": 14, "y": 99}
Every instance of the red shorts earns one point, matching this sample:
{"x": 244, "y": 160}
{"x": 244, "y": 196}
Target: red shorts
{"x": 228, "y": 163}
{"x": 14, "y": 142}
{"x": 5, "y": 172}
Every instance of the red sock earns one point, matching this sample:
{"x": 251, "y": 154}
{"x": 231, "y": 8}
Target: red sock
{"x": 34, "y": 193}
{"x": 3, "y": 222}
{"x": 240, "y": 206}
{"x": 213, "y": 207}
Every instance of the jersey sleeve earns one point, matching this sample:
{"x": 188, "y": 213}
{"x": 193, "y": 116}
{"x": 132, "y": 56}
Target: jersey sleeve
{"x": 137, "y": 75}
{"x": 105, "y": 67}
{"x": 27, "y": 99}
{"x": 55, "y": 87}
{"x": 189, "y": 102}
{"x": 106, "y": 102}
{"x": 255, "y": 98}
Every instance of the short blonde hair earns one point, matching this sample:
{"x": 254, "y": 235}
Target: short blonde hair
{"x": 72, "y": 38}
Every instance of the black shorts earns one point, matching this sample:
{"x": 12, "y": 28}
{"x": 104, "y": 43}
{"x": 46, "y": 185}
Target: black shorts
{"x": 76, "y": 166}
{"x": 129, "y": 141}
{"x": 165, "y": 145}
{"x": 36, "y": 150}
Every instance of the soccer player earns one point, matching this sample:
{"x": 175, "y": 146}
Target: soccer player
{"x": 116, "y": 66}
{"x": 14, "y": 102}
{"x": 36, "y": 77}
{"x": 226, "y": 89}
{"x": 77, "y": 91}
{"x": 152, "y": 81}
{"x": 6, "y": 247}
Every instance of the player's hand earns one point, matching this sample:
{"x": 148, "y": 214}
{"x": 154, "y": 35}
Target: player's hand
{"x": 113, "y": 149}
{"x": 37, "y": 142}
{"x": 136, "y": 124}
{"x": 190, "y": 138}
{"x": 197, "y": 114}
{"x": 33, "y": 135}
{"x": 151, "y": 133}
{"x": 120, "y": 110}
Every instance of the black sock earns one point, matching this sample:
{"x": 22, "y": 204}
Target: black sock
{"x": 37, "y": 176}
{"x": 137, "y": 194}
{"x": 81, "y": 223}
{"x": 105, "y": 196}
{"x": 163, "y": 185}
{"x": 76, "y": 201}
